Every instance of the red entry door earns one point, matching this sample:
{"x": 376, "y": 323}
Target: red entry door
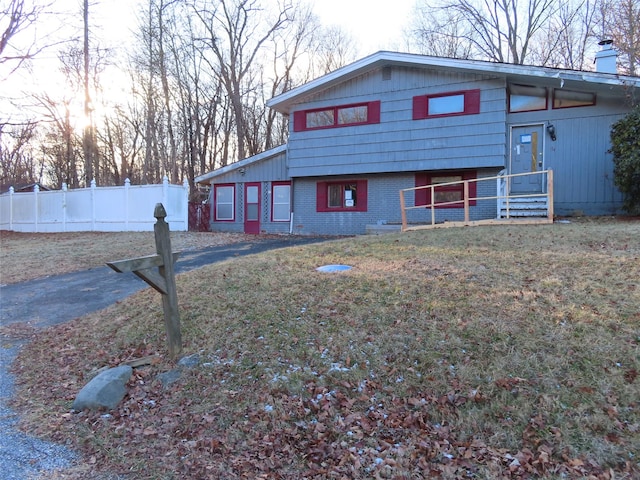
{"x": 252, "y": 208}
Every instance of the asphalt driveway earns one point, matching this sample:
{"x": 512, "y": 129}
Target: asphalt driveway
{"x": 56, "y": 299}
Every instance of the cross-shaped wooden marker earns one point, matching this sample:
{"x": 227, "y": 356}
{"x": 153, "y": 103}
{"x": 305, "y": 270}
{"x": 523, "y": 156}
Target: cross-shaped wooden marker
{"x": 163, "y": 280}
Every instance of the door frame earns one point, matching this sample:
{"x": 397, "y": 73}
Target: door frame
{"x": 252, "y": 226}
{"x": 544, "y": 147}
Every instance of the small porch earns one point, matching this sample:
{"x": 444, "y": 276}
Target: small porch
{"x": 513, "y": 204}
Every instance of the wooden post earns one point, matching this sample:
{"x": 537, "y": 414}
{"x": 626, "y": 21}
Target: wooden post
{"x": 466, "y": 202}
{"x": 403, "y": 212}
{"x": 170, "y": 300}
{"x": 163, "y": 280}
{"x": 550, "y": 211}
{"x": 433, "y": 200}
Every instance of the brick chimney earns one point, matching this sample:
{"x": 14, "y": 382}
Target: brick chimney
{"x": 606, "y": 58}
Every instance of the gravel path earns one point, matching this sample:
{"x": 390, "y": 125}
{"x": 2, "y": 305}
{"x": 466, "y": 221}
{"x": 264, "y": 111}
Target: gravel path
{"x": 52, "y": 300}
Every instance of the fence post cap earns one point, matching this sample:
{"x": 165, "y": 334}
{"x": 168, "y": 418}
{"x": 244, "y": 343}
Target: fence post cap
{"x": 159, "y": 211}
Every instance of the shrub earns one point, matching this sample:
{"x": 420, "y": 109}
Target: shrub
{"x": 625, "y": 146}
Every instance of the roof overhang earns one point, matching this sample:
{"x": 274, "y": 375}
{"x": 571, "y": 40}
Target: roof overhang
{"x": 285, "y": 102}
{"x": 208, "y": 177}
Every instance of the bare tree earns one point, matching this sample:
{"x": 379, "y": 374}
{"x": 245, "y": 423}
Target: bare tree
{"x": 16, "y": 18}
{"x": 237, "y": 31}
{"x": 61, "y": 145}
{"x": 568, "y": 37}
{"x": 333, "y": 48}
{"x": 498, "y": 30}
{"x": 621, "y": 23}
{"x": 88, "y": 135}
{"x": 440, "y": 32}
{"x": 17, "y": 163}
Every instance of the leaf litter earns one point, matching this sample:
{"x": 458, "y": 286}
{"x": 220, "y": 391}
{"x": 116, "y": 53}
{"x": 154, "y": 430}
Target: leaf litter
{"x": 478, "y": 353}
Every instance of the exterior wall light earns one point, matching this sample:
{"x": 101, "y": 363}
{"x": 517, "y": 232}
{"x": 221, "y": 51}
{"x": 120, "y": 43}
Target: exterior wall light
{"x": 552, "y": 131}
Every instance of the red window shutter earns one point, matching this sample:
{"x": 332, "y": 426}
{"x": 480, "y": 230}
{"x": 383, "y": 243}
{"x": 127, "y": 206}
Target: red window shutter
{"x": 472, "y": 102}
{"x": 373, "y": 110}
{"x": 420, "y": 107}
{"x": 299, "y": 121}
{"x": 361, "y": 192}
{"x": 422, "y": 194}
{"x": 321, "y": 197}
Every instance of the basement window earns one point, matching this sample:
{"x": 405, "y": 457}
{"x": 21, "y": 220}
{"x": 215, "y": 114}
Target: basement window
{"x": 570, "y": 99}
{"x": 450, "y": 192}
{"x": 342, "y": 196}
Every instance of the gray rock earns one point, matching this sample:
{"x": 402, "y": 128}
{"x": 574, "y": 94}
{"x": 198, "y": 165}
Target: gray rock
{"x": 106, "y": 390}
{"x": 190, "y": 361}
{"x": 167, "y": 378}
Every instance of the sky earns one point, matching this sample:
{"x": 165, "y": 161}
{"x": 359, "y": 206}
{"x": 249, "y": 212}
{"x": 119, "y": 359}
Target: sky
{"x": 374, "y": 24}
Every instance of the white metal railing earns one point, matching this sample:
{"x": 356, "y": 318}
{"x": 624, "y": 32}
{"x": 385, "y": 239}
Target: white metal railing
{"x": 504, "y": 198}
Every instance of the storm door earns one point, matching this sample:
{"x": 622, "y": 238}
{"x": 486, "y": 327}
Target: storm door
{"x": 527, "y": 143}
{"x": 252, "y": 208}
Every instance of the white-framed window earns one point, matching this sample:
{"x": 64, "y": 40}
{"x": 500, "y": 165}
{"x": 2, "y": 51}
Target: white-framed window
{"x": 224, "y": 203}
{"x": 281, "y": 202}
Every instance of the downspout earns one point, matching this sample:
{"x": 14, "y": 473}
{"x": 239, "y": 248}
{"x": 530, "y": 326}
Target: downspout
{"x": 291, "y": 213}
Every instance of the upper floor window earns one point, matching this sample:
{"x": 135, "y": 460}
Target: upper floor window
{"x": 525, "y": 98}
{"x": 568, "y": 99}
{"x": 337, "y": 116}
{"x": 466, "y": 102}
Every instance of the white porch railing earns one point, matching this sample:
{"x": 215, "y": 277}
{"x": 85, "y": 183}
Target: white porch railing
{"x": 507, "y": 204}
{"x": 95, "y": 209}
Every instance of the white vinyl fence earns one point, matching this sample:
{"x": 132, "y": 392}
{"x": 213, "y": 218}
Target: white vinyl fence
{"x": 95, "y": 209}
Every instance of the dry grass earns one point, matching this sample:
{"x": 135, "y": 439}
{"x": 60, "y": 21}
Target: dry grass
{"x": 26, "y": 256}
{"x": 489, "y": 352}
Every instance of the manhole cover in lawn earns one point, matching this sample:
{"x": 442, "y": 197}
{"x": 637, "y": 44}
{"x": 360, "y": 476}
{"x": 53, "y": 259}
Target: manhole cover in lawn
{"x": 333, "y": 268}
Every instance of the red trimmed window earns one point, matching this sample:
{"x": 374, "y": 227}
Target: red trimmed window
{"x": 224, "y": 198}
{"x": 449, "y": 104}
{"x": 348, "y": 196}
{"x": 338, "y": 116}
{"x": 280, "y": 201}
{"x": 445, "y": 193}
{"x": 570, "y": 99}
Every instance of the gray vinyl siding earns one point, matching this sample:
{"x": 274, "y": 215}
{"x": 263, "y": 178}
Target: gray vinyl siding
{"x": 269, "y": 169}
{"x": 579, "y": 158}
{"x": 399, "y": 143}
{"x": 383, "y": 205}
{"x": 272, "y": 169}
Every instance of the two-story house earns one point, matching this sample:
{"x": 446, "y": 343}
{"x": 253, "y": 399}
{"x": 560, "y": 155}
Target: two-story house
{"x": 394, "y": 121}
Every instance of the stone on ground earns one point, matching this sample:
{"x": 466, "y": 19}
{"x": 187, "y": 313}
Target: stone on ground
{"x": 105, "y": 391}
